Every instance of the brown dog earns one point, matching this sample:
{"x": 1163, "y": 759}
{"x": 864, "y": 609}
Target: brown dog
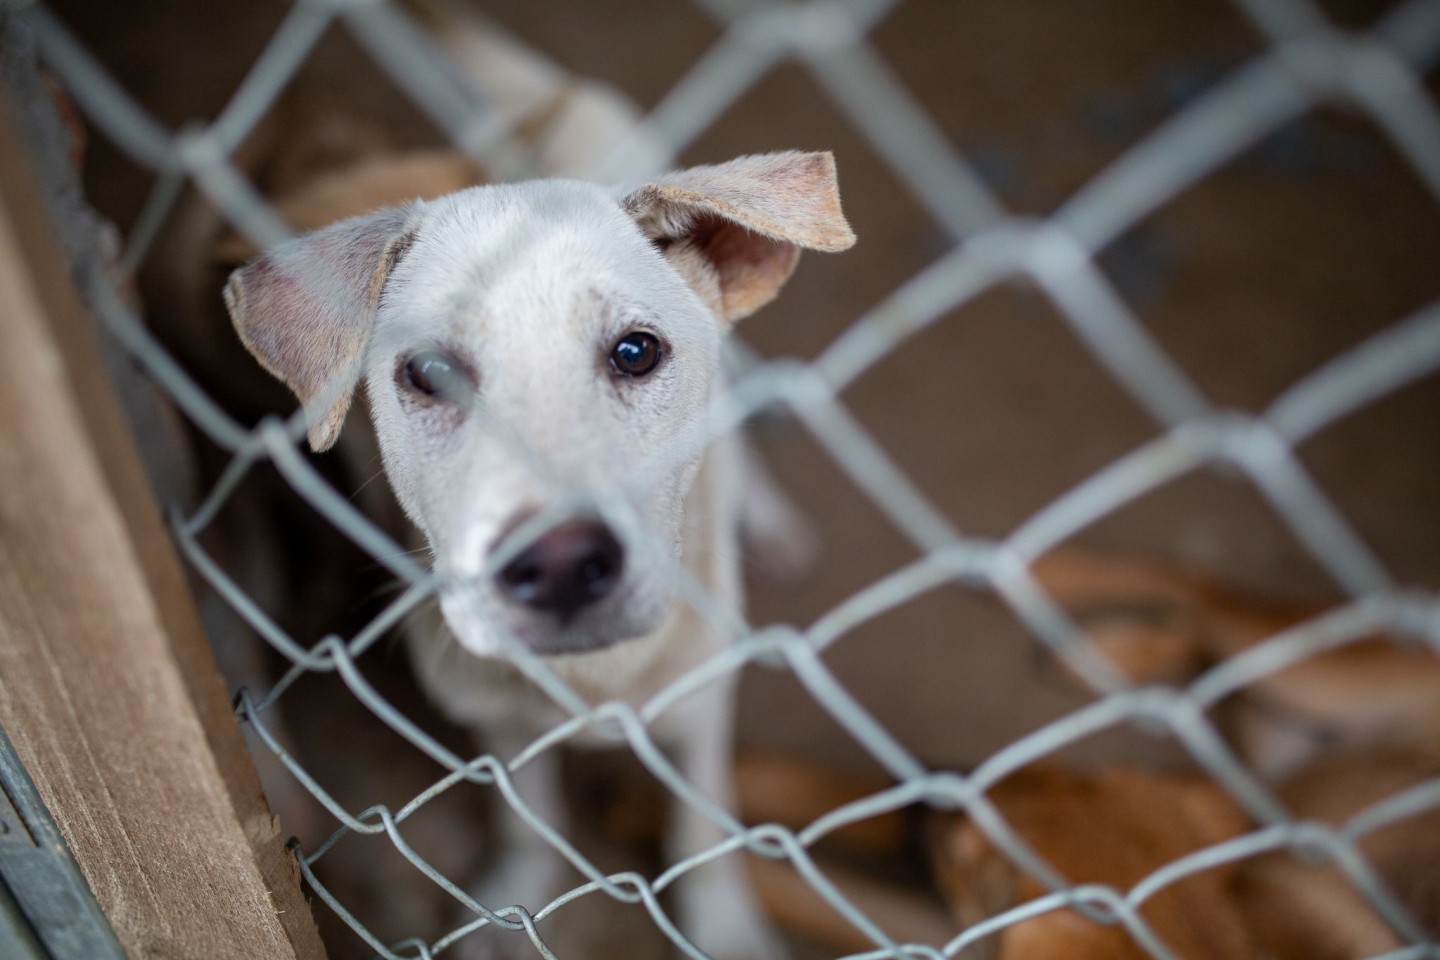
{"x": 1162, "y": 624}
{"x": 1358, "y": 723}
{"x": 1313, "y": 911}
{"x": 1114, "y": 828}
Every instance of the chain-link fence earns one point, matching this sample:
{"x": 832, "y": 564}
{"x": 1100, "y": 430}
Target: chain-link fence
{"x": 1308, "y": 62}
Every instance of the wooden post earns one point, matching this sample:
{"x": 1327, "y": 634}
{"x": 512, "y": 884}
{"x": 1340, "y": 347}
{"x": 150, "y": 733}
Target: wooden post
{"x": 108, "y": 688}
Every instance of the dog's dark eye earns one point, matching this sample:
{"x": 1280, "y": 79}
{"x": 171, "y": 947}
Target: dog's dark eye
{"x": 435, "y": 374}
{"x": 635, "y": 354}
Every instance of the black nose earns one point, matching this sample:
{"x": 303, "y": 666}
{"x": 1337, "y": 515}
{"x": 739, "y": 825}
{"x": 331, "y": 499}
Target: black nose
{"x": 565, "y": 570}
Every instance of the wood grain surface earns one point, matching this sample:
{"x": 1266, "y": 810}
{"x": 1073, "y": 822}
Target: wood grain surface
{"x": 107, "y": 685}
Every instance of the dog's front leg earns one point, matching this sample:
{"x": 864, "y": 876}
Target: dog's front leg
{"x": 527, "y": 871}
{"x": 717, "y": 906}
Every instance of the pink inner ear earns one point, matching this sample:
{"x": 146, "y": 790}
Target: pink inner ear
{"x": 751, "y": 267}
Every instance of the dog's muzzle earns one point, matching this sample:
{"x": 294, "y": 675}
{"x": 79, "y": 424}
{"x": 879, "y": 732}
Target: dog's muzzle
{"x": 565, "y": 570}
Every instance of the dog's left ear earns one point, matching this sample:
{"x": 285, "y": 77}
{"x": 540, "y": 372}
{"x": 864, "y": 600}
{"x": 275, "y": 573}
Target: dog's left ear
{"x": 747, "y": 220}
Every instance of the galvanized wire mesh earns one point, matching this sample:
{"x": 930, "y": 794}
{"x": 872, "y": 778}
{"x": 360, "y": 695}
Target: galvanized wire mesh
{"x": 1308, "y": 62}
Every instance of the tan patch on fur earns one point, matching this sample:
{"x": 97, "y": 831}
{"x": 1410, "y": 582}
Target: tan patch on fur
{"x": 792, "y": 196}
{"x": 750, "y": 218}
{"x": 697, "y": 271}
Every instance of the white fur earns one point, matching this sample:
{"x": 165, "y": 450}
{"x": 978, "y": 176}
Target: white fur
{"x": 537, "y": 280}
{"x": 529, "y": 286}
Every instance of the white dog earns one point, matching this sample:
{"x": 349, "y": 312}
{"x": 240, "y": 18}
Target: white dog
{"x": 537, "y": 358}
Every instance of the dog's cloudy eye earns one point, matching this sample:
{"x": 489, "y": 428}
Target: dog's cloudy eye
{"x": 635, "y": 354}
{"x": 435, "y": 374}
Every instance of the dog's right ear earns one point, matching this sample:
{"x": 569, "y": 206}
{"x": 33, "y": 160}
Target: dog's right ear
{"x": 306, "y": 308}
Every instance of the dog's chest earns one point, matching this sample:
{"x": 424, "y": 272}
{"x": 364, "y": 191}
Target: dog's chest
{"x": 489, "y": 693}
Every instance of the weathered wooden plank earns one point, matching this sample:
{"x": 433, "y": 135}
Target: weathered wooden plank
{"x": 107, "y": 686}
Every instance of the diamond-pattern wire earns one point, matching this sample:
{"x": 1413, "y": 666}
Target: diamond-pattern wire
{"x": 1309, "y": 62}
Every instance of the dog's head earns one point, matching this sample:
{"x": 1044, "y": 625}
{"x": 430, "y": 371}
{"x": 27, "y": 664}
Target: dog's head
{"x": 530, "y": 349}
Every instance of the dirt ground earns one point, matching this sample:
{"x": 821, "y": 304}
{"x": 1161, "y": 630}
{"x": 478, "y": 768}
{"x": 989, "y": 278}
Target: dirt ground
{"x": 1315, "y": 238}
